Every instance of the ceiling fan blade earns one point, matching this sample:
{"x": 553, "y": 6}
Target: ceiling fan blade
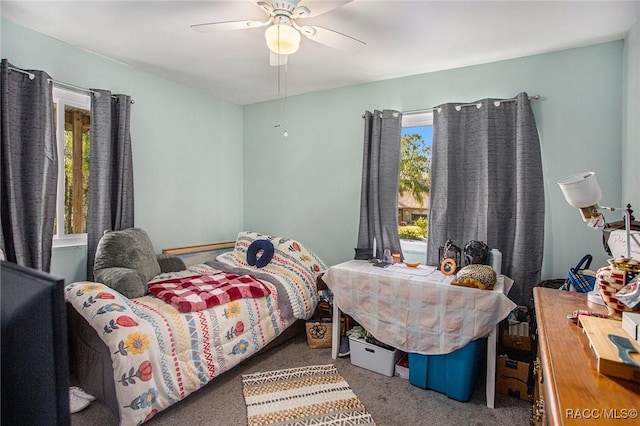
{"x": 276, "y": 60}
{"x": 309, "y": 9}
{"x": 266, "y": 6}
{"x": 330, "y": 38}
{"x": 228, "y": 25}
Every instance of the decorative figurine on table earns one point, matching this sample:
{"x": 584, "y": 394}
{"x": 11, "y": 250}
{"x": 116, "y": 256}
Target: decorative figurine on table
{"x": 476, "y": 252}
{"x": 450, "y": 258}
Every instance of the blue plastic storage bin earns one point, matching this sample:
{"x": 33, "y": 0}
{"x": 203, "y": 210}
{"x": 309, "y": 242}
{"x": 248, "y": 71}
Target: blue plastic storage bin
{"x": 453, "y": 374}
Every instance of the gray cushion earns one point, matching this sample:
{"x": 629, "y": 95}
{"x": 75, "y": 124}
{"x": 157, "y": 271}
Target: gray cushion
{"x": 170, "y": 263}
{"x": 126, "y": 281}
{"x": 129, "y": 248}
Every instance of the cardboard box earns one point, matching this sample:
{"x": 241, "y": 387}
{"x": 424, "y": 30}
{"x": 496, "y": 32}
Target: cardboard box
{"x": 373, "y": 357}
{"x": 631, "y": 324}
{"x": 453, "y": 374}
{"x": 514, "y": 341}
{"x": 402, "y": 367}
{"x": 513, "y": 378}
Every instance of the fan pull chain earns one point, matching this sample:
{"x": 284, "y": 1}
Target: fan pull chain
{"x": 278, "y": 85}
{"x": 286, "y": 101}
{"x": 286, "y": 110}
{"x": 286, "y": 104}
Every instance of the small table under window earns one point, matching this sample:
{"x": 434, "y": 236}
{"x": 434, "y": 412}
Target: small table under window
{"x": 417, "y": 310}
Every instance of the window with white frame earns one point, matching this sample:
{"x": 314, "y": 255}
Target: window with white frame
{"x": 415, "y": 182}
{"x": 72, "y": 116}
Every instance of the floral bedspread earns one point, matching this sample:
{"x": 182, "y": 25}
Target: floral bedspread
{"x": 293, "y": 263}
{"x": 161, "y": 355}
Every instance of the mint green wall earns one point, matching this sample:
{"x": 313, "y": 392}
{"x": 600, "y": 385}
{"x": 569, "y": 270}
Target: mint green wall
{"x": 205, "y": 168}
{"x": 631, "y": 120}
{"x": 187, "y": 146}
{"x": 308, "y": 185}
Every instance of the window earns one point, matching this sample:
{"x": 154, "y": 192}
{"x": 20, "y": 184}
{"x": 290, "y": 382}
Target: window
{"x": 72, "y": 123}
{"x": 415, "y": 182}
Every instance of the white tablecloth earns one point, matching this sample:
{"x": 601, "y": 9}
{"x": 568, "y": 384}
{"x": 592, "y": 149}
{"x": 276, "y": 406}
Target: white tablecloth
{"x": 417, "y": 309}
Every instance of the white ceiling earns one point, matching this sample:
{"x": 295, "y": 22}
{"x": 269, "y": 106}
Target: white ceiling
{"x": 403, "y": 38}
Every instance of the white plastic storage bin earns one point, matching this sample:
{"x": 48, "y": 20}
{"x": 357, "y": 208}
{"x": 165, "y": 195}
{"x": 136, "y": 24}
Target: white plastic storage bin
{"x": 372, "y": 357}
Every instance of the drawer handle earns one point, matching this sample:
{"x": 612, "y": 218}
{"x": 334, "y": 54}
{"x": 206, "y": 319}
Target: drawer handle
{"x": 537, "y": 370}
{"x": 537, "y": 412}
{"x": 369, "y": 350}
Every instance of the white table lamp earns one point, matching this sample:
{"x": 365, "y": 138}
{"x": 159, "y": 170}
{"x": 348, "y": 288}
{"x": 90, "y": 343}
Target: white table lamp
{"x": 582, "y": 191}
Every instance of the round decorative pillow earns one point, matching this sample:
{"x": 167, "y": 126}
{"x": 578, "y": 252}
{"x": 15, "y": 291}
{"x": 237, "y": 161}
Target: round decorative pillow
{"x": 476, "y": 276}
{"x": 264, "y": 246}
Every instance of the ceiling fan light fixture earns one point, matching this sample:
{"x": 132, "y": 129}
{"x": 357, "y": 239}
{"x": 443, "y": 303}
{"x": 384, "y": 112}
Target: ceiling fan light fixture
{"x": 282, "y": 39}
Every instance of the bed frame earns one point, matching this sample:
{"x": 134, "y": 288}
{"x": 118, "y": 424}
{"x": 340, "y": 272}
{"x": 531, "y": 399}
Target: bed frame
{"x": 200, "y": 248}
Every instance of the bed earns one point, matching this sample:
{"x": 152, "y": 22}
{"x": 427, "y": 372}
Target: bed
{"x": 141, "y": 355}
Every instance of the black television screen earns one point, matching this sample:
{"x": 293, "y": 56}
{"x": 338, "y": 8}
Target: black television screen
{"x": 34, "y": 354}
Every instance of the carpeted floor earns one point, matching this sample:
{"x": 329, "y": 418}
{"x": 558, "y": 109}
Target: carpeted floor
{"x": 392, "y": 401}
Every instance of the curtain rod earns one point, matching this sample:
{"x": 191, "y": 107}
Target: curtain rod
{"x": 475, "y": 104}
{"x": 31, "y": 76}
{"x": 73, "y": 87}
{"x": 60, "y": 83}
{"x": 79, "y": 89}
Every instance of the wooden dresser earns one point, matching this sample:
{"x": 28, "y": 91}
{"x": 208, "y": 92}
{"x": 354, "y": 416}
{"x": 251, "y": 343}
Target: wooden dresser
{"x": 569, "y": 390}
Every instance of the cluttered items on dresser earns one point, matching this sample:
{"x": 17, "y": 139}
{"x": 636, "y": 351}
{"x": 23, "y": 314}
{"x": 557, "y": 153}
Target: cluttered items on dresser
{"x": 580, "y": 278}
{"x": 618, "y": 285}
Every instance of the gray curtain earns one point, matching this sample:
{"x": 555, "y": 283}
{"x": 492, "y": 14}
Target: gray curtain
{"x": 380, "y": 178}
{"x": 29, "y": 168}
{"x": 110, "y": 170}
{"x": 487, "y": 185}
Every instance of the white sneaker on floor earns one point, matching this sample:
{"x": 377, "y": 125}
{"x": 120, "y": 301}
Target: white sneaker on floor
{"x": 77, "y": 403}
{"x": 81, "y": 393}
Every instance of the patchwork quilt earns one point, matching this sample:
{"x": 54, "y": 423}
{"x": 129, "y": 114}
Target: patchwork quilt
{"x": 199, "y": 292}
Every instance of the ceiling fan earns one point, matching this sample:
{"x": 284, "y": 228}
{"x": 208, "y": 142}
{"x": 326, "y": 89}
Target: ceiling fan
{"x": 283, "y": 33}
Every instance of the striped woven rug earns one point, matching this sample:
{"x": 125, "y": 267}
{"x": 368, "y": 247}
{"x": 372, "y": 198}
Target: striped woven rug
{"x": 315, "y": 395}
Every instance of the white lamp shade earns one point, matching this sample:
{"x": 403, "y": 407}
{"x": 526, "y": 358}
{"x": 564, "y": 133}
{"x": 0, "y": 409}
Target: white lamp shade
{"x": 581, "y": 190}
{"x": 282, "y": 39}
